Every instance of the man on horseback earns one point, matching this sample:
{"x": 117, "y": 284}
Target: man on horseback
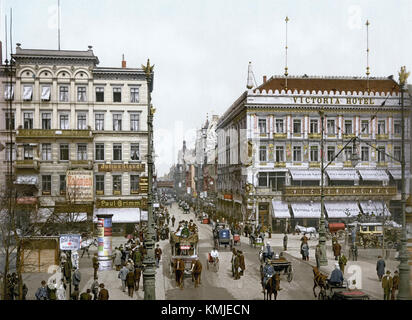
{"x": 268, "y": 253}
{"x": 214, "y": 255}
{"x": 267, "y": 273}
{"x": 336, "y": 277}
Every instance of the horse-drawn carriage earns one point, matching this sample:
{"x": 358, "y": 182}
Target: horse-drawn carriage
{"x": 184, "y": 255}
{"x": 256, "y": 240}
{"x": 221, "y": 236}
{"x": 341, "y": 293}
{"x": 279, "y": 264}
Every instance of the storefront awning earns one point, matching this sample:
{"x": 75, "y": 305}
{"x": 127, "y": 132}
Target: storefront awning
{"x": 375, "y": 207}
{"x": 305, "y": 174}
{"x": 122, "y": 215}
{"x": 397, "y": 174}
{"x": 26, "y": 179}
{"x": 343, "y": 174}
{"x": 374, "y": 175}
{"x": 306, "y": 210}
{"x": 339, "y": 209}
{"x": 280, "y": 209}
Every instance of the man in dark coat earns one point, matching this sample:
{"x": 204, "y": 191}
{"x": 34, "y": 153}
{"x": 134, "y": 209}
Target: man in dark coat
{"x": 380, "y": 268}
{"x": 158, "y": 255}
{"x": 103, "y": 294}
{"x": 86, "y": 295}
{"x": 130, "y": 282}
{"x": 95, "y": 265}
{"x": 241, "y": 263}
{"x": 285, "y": 242}
{"x": 387, "y": 284}
{"x": 395, "y": 284}
{"x": 336, "y": 250}
{"x": 95, "y": 288}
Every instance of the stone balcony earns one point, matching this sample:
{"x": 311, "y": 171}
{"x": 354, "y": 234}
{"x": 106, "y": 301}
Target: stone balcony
{"x": 382, "y": 137}
{"x": 314, "y": 136}
{"x": 279, "y": 136}
{"x": 86, "y": 164}
{"x": 27, "y": 164}
{"x": 35, "y": 134}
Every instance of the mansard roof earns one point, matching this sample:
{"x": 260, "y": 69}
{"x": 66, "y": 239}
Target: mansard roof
{"x": 347, "y": 84}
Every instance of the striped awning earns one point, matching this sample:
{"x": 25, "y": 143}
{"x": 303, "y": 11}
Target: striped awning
{"x": 374, "y": 175}
{"x": 397, "y": 174}
{"x": 123, "y": 215}
{"x": 340, "y": 208}
{"x": 343, "y": 174}
{"x": 306, "y": 210}
{"x": 305, "y": 174}
{"x": 280, "y": 209}
{"x": 375, "y": 207}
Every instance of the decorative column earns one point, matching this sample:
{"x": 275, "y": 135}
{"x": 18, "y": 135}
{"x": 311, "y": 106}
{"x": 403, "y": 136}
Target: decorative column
{"x": 104, "y": 239}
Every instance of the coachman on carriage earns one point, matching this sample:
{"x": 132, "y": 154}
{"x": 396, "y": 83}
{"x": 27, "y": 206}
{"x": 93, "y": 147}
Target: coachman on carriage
{"x": 184, "y": 255}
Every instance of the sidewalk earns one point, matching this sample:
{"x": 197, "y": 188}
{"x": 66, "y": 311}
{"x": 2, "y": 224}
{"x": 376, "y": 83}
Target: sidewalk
{"x": 364, "y": 270}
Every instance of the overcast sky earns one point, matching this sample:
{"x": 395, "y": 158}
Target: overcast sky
{"x": 201, "y": 48}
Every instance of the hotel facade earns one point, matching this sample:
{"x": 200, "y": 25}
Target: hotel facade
{"x": 269, "y": 150}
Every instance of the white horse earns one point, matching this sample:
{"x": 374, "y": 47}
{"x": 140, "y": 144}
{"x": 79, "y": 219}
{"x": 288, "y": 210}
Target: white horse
{"x": 311, "y": 231}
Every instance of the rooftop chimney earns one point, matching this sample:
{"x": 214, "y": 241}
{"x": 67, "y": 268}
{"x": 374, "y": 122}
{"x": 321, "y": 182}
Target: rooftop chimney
{"x": 90, "y": 48}
{"x": 123, "y": 62}
{"x": 264, "y": 79}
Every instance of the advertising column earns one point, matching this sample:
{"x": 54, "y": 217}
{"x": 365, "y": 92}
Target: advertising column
{"x": 104, "y": 239}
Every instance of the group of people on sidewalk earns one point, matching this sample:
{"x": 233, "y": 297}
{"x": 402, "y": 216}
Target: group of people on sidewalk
{"x": 390, "y": 285}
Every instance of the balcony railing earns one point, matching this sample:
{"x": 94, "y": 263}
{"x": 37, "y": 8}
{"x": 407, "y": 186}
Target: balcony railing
{"x": 348, "y": 136}
{"x": 53, "y": 133}
{"x": 369, "y": 191}
{"x": 280, "y": 164}
{"x": 314, "y": 164}
{"x": 314, "y": 135}
{"x": 279, "y": 136}
{"x": 382, "y": 137}
{"x": 27, "y": 164}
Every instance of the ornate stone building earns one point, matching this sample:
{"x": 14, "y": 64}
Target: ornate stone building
{"x": 82, "y": 127}
{"x": 269, "y": 149}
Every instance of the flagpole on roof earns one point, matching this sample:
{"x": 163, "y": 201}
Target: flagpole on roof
{"x": 286, "y": 55}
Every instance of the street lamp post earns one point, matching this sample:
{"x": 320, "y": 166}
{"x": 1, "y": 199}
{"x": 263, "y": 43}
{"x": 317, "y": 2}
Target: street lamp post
{"x": 404, "y": 286}
{"x": 149, "y": 273}
{"x": 323, "y": 261}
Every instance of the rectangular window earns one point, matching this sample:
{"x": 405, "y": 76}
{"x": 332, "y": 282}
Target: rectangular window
{"x": 280, "y": 154}
{"x": 99, "y": 184}
{"x": 262, "y": 125}
{"x": 313, "y": 126}
{"x": 99, "y": 121}
{"x": 63, "y": 93}
{"x": 28, "y": 120}
{"x": 397, "y": 127}
{"x": 81, "y": 94}
{"x": 262, "y": 153}
{"x": 99, "y": 94}
{"x": 46, "y": 154}
{"x": 279, "y": 126}
{"x": 263, "y": 179}
{"x": 314, "y": 153}
{"x": 81, "y": 121}
{"x": 330, "y": 126}
{"x": 27, "y": 93}
{"x": 117, "y": 94}
{"x": 64, "y": 152}
{"x": 276, "y": 180}
{"x": 134, "y": 94}
{"x": 365, "y": 127}
{"x": 134, "y": 184}
{"x": 62, "y": 184}
{"x": 134, "y": 122}
{"x": 64, "y": 122}
{"x": 348, "y": 127}
{"x": 45, "y": 93}
{"x": 28, "y": 152}
{"x": 397, "y": 152}
{"x": 46, "y": 184}
{"x": 297, "y": 126}
{"x": 381, "y": 154}
{"x": 117, "y": 184}
{"x": 134, "y": 152}
{"x": 10, "y": 121}
{"x": 8, "y": 92}
{"x": 99, "y": 151}
{"x": 365, "y": 153}
{"x": 348, "y": 153}
{"x": 13, "y": 152}
{"x": 117, "y": 122}
{"x": 81, "y": 151}
{"x": 331, "y": 153}
{"x": 381, "y": 127}
{"x": 297, "y": 153}
{"x": 46, "y": 121}
{"x": 117, "y": 151}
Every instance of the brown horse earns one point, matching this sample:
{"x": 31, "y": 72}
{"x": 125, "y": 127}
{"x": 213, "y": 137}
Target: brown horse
{"x": 196, "y": 272}
{"x": 272, "y": 287}
{"x": 319, "y": 280}
{"x": 180, "y": 272}
{"x": 137, "y": 275}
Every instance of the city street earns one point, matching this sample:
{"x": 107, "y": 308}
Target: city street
{"x": 220, "y": 285}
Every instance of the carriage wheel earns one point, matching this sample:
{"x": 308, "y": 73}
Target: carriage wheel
{"x": 290, "y": 274}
